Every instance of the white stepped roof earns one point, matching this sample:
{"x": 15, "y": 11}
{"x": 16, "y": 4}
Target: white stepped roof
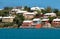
{"x": 15, "y": 10}
{"x": 36, "y": 8}
{"x": 56, "y": 20}
{"x": 50, "y": 14}
{"x": 8, "y": 17}
{"x": 36, "y": 19}
{"x": 21, "y": 11}
{"x": 44, "y": 19}
{"x": 0, "y": 17}
{"x": 27, "y": 21}
{"x": 29, "y": 13}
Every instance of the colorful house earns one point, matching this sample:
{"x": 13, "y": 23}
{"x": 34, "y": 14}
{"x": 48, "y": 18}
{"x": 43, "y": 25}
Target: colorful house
{"x": 45, "y": 23}
{"x": 49, "y": 14}
{"x": 37, "y": 23}
{"x": 56, "y": 23}
{"x": 29, "y": 15}
{"x": 26, "y": 24}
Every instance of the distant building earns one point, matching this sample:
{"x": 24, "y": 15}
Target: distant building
{"x": 7, "y": 19}
{"x": 49, "y": 14}
{"x": 45, "y": 23}
{"x": 21, "y": 12}
{"x": 36, "y": 8}
{"x": 26, "y": 24}
{"x": 13, "y": 11}
{"x": 56, "y": 22}
{"x": 29, "y": 15}
{"x": 37, "y": 23}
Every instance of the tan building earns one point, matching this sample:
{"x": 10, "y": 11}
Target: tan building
{"x": 7, "y": 19}
{"x": 29, "y": 15}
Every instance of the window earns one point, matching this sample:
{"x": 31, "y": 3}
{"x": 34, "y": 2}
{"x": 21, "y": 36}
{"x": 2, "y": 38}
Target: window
{"x": 34, "y": 21}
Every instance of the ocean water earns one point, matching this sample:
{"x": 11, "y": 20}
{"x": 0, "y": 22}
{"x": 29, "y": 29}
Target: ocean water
{"x": 30, "y": 33}
{"x": 30, "y": 3}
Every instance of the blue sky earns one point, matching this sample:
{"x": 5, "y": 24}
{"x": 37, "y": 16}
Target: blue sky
{"x": 40, "y": 3}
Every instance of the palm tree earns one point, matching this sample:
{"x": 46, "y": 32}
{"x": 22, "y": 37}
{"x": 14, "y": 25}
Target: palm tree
{"x": 48, "y": 9}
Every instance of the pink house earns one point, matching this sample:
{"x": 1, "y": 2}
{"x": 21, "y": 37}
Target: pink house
{"x": 56, "y": 23}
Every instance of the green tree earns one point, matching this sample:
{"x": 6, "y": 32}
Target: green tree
{"x": 48, "y": 9}
{"x": 51, "y": 19}
{"x": 8, "y": 24}
{"x": 55, "y": 10}
{"x": 8, "y": 8}
{"x": 4, "y": 13}
{"x": 43, "y": 11}
{"x": 58, "y": 14}
{"x": 19, "y": 19}
{"x": 27, "y": 8}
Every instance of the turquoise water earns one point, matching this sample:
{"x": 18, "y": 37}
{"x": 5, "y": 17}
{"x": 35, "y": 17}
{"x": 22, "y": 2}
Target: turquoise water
{"x": 30, "y": 33}
{"x": 40, "y": 3}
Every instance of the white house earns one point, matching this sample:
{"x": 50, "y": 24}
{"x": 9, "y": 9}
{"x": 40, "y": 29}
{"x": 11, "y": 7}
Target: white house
{"x": 36, "y": 8}
{"x": 26, "y": 24}
{"x": 56, "y": 22}
{"x": 29, "y": 15}
{"x": 49, "y": 14}
{"x": 45, "y": 23}
{"x": 15, "y": 10}
{"x": 20, "y": 12}
{"x": 37, "y": 21}
{"x": 0, "y": 17}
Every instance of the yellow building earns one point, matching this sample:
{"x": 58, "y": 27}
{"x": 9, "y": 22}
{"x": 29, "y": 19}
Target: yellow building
{"x": 7, "y": 19}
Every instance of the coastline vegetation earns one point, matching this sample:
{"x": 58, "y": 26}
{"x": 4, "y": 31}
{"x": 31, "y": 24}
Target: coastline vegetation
{"x": 18, "y": 20}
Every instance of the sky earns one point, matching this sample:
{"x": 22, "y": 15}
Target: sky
{"x": 30, "y": 3}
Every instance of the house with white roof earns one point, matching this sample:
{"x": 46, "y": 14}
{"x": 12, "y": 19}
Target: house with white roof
{"x": 7, "y": 19}
{"x": 14, "y": 10}
{"x": 26, "y": 24}
{"x": 0, "y": 17}
{"x": 56, "y": 22}
{"x": 36, "y": 21}
{"x": 49, "y": 14}
{"x": 45, "y": 23}
{"x": 45, "y": 20}
{"x": 21, "y": 12}
{"x": 36, "y": 8}
{"x": 29, "y": 15}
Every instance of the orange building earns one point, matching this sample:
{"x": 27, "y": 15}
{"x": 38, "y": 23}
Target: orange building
{"x": 37, "y": 23}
